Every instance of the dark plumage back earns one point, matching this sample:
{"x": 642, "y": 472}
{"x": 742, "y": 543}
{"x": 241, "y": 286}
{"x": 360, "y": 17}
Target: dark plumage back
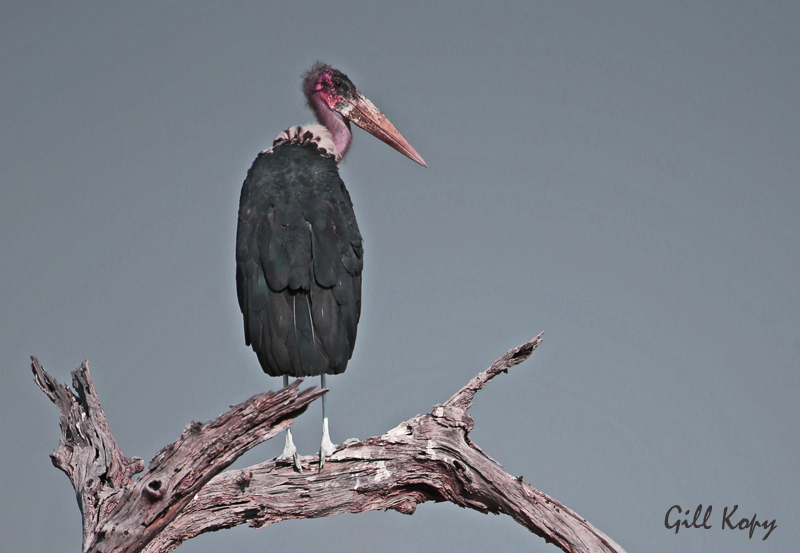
{"x": 298, "y": 262}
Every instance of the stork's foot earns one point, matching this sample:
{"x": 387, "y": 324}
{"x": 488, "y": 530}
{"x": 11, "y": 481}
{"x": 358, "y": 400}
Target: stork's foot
{"x": 289, "y": 454}
{"x": 326, "y": 448}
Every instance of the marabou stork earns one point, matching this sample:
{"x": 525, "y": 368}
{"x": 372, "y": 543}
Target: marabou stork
{"x": 299, "y": 252}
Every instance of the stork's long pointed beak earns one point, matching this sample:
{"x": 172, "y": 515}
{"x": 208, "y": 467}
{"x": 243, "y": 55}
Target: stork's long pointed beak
{"x": 363, "y": 113}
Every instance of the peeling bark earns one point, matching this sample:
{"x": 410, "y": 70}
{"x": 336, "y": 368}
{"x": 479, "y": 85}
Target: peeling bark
{"x": 184, "y": 493}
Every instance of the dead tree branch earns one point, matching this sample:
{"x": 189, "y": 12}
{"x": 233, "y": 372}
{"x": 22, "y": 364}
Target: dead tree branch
{"x": 183, "y": 494}
{"x": 122, "y": 516}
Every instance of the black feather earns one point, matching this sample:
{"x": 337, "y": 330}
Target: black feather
{"x": 299, "y": 258}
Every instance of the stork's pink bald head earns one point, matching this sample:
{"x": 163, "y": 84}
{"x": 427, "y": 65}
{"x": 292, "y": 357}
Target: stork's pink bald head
{"x": 336, "y": 102}
{"x": 331, "y": 85}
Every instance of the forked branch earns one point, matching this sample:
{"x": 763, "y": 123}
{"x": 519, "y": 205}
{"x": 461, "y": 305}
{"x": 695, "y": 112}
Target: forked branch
{"x": 184, "y": 493}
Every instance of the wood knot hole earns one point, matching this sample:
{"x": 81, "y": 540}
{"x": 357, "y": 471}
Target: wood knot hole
{"x": 153, "y": 490}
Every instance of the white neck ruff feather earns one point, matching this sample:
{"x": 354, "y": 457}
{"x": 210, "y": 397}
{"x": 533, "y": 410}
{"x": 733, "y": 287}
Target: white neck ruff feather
{"x": 307, "y": 134}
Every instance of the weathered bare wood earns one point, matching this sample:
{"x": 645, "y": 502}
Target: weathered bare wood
{"x": 121, "y": 516}
{"x": 427, "y": 458}
{"x": 463, "y": 398}
{"x": 87, "y": 452}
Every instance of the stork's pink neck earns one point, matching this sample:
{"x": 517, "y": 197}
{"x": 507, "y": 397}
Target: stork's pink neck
{"x": 338, "y": 126}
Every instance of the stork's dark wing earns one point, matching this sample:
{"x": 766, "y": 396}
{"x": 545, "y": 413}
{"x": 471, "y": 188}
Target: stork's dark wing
{"x": 298, "y": 263}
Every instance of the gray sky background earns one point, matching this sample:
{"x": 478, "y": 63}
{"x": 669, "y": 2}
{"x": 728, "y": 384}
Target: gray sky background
{"x": 621, "y": 175}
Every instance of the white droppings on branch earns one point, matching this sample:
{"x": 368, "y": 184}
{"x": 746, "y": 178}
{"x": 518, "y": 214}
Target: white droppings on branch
{"x": 382, "y": 473}
{"x": 430, "y": 449}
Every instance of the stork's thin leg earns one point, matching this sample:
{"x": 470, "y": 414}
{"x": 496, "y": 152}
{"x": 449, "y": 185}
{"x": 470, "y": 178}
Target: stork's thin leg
{"x": 326, "y": 448}
{"x": 289, "y": 450}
